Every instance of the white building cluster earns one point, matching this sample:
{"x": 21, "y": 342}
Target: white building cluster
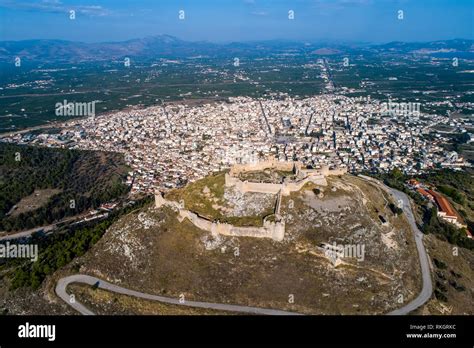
{"x": 171, "y": 145}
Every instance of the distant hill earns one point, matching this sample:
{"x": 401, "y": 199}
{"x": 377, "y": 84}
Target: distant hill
{"x": 326, "y": 51}
{"x": 460, "y": 45}
{"x": 166, "y": 46}
{"x": 57, "y": 50}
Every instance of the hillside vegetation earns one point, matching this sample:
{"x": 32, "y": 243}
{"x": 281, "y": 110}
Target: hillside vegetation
{"x": 84, "y": 180}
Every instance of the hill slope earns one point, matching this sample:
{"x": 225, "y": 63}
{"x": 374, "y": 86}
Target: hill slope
{"x": 86, "y": 177}
{"x": 152, "y": 252}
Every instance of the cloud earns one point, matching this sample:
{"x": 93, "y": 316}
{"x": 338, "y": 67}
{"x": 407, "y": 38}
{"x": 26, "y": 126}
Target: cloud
{"x": 54, "y": 6}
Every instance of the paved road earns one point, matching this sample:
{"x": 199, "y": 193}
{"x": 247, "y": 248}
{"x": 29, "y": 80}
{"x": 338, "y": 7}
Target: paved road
{"x": 85, "y": 279}
{"x": 265, "y": 117}
{"x": 27, "y": 233}
{"x": 46, "y": 229}
{"x": 427, "y": 288}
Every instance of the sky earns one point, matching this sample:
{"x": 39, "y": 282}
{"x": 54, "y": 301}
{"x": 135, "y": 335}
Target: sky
{"x": 238, "y": 20}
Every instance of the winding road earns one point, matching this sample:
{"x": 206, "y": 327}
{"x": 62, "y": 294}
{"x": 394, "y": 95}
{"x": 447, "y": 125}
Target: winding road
{"x": 422, "y": 297}
{"x": 102, "y": 284}
{"x": 427, "y": 288}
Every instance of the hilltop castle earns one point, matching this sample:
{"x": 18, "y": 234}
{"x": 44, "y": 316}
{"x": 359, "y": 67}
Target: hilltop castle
{"x": 274, "y": 227}
{"x": 302, "y": 175}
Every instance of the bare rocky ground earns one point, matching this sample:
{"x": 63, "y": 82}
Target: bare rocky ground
{"x": 37, "y": 199}
{"x": 267, "y": 176}
{"x": 247, "y": 204}
{"x": 348, "y": 212}
{"x": 151, "y": 251}
{"x": 453, "y": 279}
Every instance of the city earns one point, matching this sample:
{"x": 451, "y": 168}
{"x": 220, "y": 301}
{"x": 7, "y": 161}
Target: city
{"x": 168, "y": 146}
{"x": 242, "y": 171}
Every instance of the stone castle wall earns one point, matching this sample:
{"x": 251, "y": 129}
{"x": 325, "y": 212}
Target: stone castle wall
{"x": 245, "y": 186}
{"x": 316, "y": 176}
{"x": 236, "y": 169}
{"x": 270, "y": 229}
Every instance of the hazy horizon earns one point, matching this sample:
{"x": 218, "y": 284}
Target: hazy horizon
{"x": 301, "y": 41}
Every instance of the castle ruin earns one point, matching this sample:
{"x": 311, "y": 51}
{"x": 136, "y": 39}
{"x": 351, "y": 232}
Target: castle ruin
{"x": 270, "y": 229}
{"x": 303, "y": 176}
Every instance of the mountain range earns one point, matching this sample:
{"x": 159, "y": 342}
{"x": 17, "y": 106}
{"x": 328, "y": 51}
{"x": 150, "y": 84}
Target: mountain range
{"x": 166, "y": 46}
